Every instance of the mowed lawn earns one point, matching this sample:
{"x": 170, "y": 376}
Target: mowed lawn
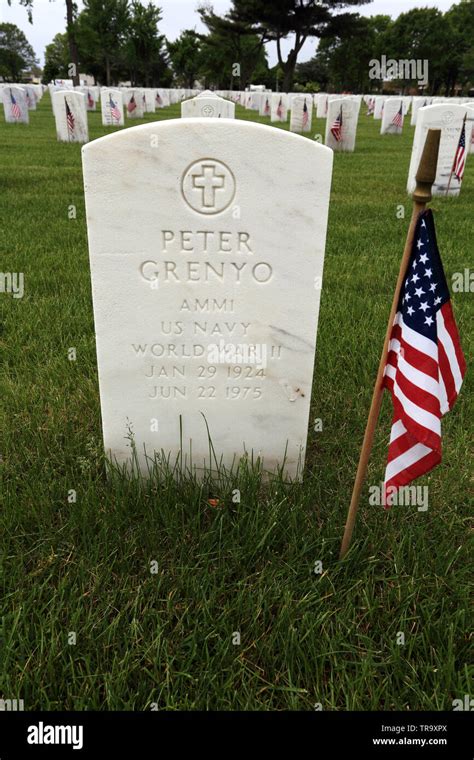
{"x": 167, "y": 639}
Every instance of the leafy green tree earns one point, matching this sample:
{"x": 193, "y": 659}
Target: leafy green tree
{"x": 420, "y": 34}
{"x": 301, "y": 19}
{"x": 185, "y": 57}
{"x": 231, "y": 42}
{"x": 343, "y": 58}
{"x": 71, "y": 14}
{"x": 101, "y": 31}
{"x": 460, "y": 61}
{"x": 16, "y": 53}
{"x": 56, "y": 59}
{"x": 145, "y": 47}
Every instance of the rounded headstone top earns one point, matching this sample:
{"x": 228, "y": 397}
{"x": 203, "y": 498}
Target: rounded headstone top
{"x": 206, "y": 93}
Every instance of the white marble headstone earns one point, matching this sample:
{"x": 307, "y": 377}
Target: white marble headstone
{"x": 134, "y": 103}
{"x": 31, "y": 97}
{"x": 392, "y": 117}
{"x": 206, "y": 281}
{"x": 418, "y": 102}
{"x": 208, "y": 106}
{"x": 279, "y": 107}
{"x": 71, "y": 116}
{"x": 471, "y": 118}
{"x": 322, "y": 107}
{"x": 91, "y": 97}
{"x": 111, "y": 104}
{"x": 301, "y": 113}
{"x": 346, "y": 111}
{"x": 379, "y": 106}
{"x": 15, "y": 105}
{"x": 150, "y": 99}
{"x": 449, "y": 118}
{"x": 265, "y": 104}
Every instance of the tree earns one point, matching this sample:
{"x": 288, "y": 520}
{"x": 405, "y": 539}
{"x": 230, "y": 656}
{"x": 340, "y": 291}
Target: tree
{"x": 101, "y": 30}
{"x": 343, "y": 58}
{"x": 16, "y": 53}
{"x": 460, "y": 62}
{"x": 71, "y": 13}
{"x": 231, "y": 42}
{"x": 145, "y": 54}
{"x": 56, "y": 59}
{"x": 185, "y": 56}
{"x": 420, "y": 34}
{"x": 277, "y": 20}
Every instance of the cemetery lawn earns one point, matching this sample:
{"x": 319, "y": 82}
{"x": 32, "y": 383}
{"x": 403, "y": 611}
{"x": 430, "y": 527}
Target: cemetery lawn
{"x": 82, "y": 570}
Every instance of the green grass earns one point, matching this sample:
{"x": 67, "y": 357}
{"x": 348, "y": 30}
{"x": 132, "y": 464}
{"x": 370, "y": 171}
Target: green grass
{"x": 166, "y": 638}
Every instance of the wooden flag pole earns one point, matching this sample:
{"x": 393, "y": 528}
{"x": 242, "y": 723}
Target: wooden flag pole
{"x": 425, "y": 177}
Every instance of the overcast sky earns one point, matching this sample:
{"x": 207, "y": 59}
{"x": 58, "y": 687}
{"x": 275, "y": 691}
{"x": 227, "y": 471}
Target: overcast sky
{"x": 49, "y": 19}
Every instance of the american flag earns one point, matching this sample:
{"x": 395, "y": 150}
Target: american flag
{"x": 425, "y": 364}
{"x": 158, "y": 98}
{"x": 266, "y": 110}
{"x": 15, "y": 108}
{"x": 460, "y": 157}
{"x": 370, "y": 107}
{"x": 114, "y": 110}
{"x": 69, "y": 118}
{"x": 279, "y": 111}
{"x": 90, "y": 100}
{"x": 131, "y": 105}
{"x": 397, "y": 120}
{"x": 305, "y": 114}
{"x": 336, "y": 128}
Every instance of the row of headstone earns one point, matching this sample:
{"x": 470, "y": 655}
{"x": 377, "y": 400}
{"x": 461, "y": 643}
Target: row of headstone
{"x": 18, "y": 100}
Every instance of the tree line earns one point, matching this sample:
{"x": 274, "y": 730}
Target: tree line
{"x": 120, "y": 40}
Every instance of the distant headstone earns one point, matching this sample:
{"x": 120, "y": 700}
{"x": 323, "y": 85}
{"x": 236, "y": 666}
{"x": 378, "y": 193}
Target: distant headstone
{"x": 471, "y": 118}
{"x": 392, "y": 117}
{"x": 15, "y": 105}
{"x": 341, "y": 124}
{"x": 418, "y": 102}
{"x": 322, "y": 107}
{"x": 279, "y": 108}
{"x": 207, "y": 106}
{"x": 134, "y": 103}
{"x": 301, "y": 113}
{"x": 71, "y": 116}
{"x": 150, "y": 99}
{"x": 379, "y": 106}
{"x": 162, "y": 99}
{"x": 206, "y": 318}
{"x": 91, "y": 98}
{"x": 31, "y": 97}
{"x": 449, "y": 118}
{"x": 111, "y": 104}
{"x": 265, "y": 104}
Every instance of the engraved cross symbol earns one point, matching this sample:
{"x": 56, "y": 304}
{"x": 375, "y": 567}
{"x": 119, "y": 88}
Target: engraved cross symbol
{"x": 208, "y": 182}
